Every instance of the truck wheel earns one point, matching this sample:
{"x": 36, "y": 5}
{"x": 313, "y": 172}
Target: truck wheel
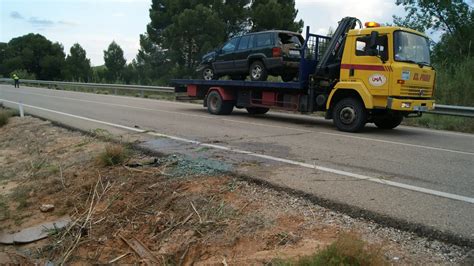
{"x": 258, "y": 72}
{"x": 349, "y": 115}
{"x": 287, "y": 77}
{"x": 388, "y": 121}
{"x": 217, "y": 106}
{"x": 208, "y": 73}
{"x": 257, "y": 110}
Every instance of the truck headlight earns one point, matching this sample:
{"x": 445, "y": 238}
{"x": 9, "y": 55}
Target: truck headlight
{"x": 406, "y": 105}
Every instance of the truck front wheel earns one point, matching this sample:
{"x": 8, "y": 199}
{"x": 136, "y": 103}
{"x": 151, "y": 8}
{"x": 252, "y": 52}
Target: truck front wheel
{"x": 349, "y": 115}
{"x": 388, "y": 121}
{"x": 217, "y": 106}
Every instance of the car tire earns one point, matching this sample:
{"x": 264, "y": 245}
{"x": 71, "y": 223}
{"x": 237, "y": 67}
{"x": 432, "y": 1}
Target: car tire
{"x": 257, "y": 110}
{"x": 208, "y": 73}
{"x": 388, "y": 121}
{"x": 217, "y": 106}
{"x": 349, "y": 115}
{"x": 258, "y": 72}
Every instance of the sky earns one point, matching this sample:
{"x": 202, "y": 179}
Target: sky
{"x": 94, "y": 24}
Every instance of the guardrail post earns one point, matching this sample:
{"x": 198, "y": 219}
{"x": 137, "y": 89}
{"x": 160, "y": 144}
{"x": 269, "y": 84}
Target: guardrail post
{"x": 142, "y": 93}
{"x": 115, "y": 91}
{"x": 22, "y": 112}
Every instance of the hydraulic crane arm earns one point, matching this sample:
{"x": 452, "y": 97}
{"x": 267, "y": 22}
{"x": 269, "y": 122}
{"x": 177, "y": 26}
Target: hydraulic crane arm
{"x": 330, "y": 63}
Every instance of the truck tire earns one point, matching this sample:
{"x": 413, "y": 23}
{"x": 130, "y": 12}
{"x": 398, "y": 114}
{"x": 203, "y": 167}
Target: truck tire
{"x": 258, "y": 72}
{"x": 257, "y": 110}
{"x": 208, "y": 73}
{"x": 388, "y": 121}
{"x": 217, "y": 106}
{"x": 349, "y": 115}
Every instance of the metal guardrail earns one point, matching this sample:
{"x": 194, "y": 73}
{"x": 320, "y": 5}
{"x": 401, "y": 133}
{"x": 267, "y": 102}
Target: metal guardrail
{"x": 95, "y": 86}
{"x": 440, "y": 109}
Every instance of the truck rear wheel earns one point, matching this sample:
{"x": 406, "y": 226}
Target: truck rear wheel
{"x": 217, "y": 106}
{"x": 388, "y": 121}
{"x": 257, "y": 110}
{"x": 349, "y": 115}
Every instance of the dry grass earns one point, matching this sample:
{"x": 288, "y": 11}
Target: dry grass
{"x": 348, "y": 249}
{"x": 5, "y": 116}
{"x": 114, "y": 154}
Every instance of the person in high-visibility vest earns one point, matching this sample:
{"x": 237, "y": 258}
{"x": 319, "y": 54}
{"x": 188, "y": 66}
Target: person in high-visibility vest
{"x": 16, "y": 79}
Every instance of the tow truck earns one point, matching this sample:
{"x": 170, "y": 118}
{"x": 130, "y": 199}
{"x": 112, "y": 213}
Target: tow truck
{"x": 373, "y": 74}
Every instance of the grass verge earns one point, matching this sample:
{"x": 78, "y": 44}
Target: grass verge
{"x": 5, "y": 116}
{"x": 348, "y": 249}
{"x": 452, "y": 123}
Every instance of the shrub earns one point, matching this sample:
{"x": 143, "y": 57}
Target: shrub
{"x": 348, "y": 249}
{"x": 113, "y": 154}
{"x": 5, "y": 116}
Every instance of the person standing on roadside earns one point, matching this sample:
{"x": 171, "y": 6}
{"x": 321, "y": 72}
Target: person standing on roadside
{"x": 16, "y": 79}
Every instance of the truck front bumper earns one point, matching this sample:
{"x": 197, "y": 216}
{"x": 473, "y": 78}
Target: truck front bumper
{"x": 410, "y": 105}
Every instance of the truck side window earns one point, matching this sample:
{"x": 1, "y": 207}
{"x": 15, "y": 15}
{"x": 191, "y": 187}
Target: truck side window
{"x": 244, "y": 43}
{"x": 382, "y": 46}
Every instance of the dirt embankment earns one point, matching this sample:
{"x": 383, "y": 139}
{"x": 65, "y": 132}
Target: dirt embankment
{"x": 163, "y": 211}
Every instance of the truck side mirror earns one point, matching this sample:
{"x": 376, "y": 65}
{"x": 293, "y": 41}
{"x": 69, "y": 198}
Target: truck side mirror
{"x": 374, "y": 35}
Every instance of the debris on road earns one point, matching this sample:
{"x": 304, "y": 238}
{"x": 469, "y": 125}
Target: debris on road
{"x": 34, "y": 233}
{"x": 46, "y": 207}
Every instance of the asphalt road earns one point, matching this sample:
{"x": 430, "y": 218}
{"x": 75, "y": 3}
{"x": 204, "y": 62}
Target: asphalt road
{"x": 416, "y": 175}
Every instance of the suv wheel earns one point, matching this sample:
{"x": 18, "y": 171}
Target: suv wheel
{"x": 208, "y": 73}
{"x": 258, "y": 72}
{"x": 217, "y": 106}
{"x": 349, "y": 115}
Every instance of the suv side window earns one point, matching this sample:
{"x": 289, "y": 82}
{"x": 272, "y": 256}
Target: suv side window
{"x": 382, "y": 46}
{"x": 230, "y": 46}
{"x": 244, "y": 43}
{"x": 264, "y": 39}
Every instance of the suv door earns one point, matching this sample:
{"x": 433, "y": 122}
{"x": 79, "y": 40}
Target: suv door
{"x": 225, "y": 58}
{"x": 242, "y": 53}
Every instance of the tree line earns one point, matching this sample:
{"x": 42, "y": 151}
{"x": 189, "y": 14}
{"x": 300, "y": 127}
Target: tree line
{"x": 181, "y": 31}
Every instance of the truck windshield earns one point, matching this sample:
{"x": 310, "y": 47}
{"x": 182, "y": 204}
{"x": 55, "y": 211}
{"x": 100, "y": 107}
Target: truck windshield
{"x": 413, "y": 48}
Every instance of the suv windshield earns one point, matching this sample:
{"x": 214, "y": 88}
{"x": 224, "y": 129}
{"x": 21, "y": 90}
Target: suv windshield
{"x": 410, "y": 47}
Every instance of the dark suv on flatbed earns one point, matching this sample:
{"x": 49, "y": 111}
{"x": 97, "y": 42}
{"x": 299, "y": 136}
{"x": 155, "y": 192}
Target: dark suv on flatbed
{"x": 256, "y": 54}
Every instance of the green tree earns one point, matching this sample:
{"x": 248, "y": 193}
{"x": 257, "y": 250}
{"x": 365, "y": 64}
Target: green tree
{"x": 452, "y": 17}
{"x": 35, "y": 54}
{"x": 193, "y": 33}
{"x": 114, "y": 62}
{"x": 152, "y": 62}
{"x": 78, "y": 66}
{"x": 274, "y": 14}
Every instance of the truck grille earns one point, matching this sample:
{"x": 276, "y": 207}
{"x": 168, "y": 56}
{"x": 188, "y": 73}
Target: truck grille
{"x": 416, "y": 92}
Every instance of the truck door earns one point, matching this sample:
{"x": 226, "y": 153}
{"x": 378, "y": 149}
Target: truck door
{"x": 374, "y": 71}
{"x": 225, "y": 58}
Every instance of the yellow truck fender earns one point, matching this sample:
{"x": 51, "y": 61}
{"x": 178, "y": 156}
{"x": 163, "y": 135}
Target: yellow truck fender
{"x": 354, "y": 87}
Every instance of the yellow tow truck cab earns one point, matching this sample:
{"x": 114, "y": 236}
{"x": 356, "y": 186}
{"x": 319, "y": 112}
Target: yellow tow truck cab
{"x": 396, "y": 76}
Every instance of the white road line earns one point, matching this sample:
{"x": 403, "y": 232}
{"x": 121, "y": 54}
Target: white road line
{"x": 269, "y": 157}
{"x": 397, "y": 143}
{"x": 260, "y": 124}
